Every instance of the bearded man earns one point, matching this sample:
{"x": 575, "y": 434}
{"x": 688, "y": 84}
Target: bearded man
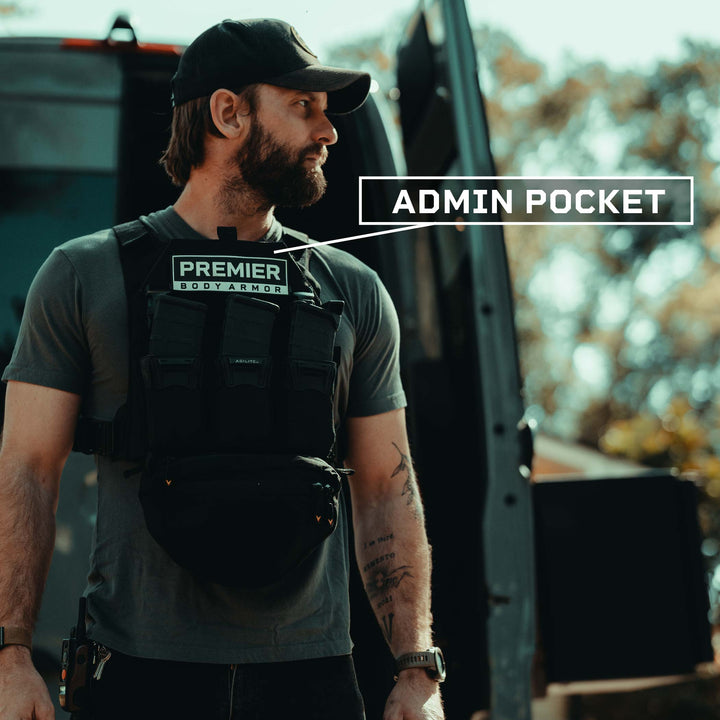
{"x": 208, "y": 374}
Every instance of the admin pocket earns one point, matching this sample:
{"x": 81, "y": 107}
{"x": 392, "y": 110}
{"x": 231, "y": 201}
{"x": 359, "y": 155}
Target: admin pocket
{"x": 244, "y": 521}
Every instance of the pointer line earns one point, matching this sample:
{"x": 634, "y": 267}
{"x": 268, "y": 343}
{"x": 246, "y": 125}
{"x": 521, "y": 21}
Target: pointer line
{"x": 352, "y": 237}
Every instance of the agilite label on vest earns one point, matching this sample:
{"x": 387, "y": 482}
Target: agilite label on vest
{"x": 230, "y": 273}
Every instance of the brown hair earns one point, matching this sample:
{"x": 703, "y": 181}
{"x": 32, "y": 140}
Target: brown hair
{"x": 191, "y": 123}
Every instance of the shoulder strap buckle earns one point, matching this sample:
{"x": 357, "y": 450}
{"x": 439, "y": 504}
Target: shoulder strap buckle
{"x": 94, "y": 436}
{"x": 130, "y": 232}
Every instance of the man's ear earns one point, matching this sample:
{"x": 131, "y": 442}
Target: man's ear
{"x": 230, "y": 113}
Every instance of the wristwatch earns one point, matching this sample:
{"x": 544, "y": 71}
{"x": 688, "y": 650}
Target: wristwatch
{"x": 432, "y": 660}
{"x": 15, "y": 636}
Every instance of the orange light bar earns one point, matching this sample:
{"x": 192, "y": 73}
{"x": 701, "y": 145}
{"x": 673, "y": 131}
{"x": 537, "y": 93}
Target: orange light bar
{"x": 110, "y": 46}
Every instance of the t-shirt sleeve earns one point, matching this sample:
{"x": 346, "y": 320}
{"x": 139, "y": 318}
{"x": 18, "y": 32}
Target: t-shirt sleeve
{"x": 375, "y": 384}
{"x": 51, "y": 349}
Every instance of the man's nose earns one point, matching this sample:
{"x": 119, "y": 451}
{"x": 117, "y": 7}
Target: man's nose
{"x": 325, "y": 132}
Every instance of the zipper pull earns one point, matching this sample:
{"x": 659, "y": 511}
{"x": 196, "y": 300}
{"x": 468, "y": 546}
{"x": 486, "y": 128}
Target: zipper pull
{"x": 105, "y": 655}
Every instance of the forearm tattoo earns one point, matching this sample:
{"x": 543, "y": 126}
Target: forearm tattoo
{"x": 382, "y": 581}
{"x": 410, "y": 485}
{"x": 387, "y": 626}
{"x": 382, "y": 576}
{"x": 378, "y": 541}
{"x": 379, "y": 590}
{"x": 382, "y": 572}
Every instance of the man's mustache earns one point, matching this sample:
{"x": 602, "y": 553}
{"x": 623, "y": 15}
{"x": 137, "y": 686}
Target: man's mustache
{"x": 314, "y": 150}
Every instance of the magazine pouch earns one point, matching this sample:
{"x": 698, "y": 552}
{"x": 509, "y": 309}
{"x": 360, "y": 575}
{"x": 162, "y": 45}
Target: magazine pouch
{"x": 172, "y": 372}
{"x": 311, "y": 376}
{"x": 241, "y": 405}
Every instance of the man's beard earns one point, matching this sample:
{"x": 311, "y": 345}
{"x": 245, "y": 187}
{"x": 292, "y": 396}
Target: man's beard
{"x": 272, "y": 175}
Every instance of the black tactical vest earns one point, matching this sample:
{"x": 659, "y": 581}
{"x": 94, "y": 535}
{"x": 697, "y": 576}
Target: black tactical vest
{"x": 232, "y": 369}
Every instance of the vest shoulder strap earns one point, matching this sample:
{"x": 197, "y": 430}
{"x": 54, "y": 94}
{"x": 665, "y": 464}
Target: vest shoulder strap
{"x": 295, "y": 235}
{"x": 130, "y": 232}
{"x": 137, "y": 244}
{"x": 301, "y": 257}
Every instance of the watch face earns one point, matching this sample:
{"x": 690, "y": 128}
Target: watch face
{"x": 440, "y": 669}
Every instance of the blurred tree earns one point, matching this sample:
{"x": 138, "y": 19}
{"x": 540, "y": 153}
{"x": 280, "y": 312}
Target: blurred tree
{"x": 619, "y": 317}
{"x": 618, "y": 325}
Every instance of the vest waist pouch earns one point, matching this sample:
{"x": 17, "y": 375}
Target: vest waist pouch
{"x": 244, "y": 521}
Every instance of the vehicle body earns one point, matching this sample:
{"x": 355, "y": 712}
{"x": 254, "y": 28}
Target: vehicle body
{"x": 86, "y": 158}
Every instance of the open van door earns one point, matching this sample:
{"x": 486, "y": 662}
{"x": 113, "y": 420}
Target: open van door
{"x": 481, "y": 461}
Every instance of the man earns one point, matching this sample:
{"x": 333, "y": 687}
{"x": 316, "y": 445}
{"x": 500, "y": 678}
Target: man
{"x": 250, "y": 132}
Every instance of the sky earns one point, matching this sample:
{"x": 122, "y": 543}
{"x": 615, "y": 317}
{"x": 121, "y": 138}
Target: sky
{"x": 623, "y": 33}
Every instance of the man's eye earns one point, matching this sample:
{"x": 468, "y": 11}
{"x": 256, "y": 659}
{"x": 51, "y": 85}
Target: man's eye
{"x": 304, "y": 103}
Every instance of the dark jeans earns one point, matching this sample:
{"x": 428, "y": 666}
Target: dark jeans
{"x": 138, "y": 689}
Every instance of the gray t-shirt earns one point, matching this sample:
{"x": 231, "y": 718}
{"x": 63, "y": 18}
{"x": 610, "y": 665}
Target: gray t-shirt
{"x": 73, "y": 337}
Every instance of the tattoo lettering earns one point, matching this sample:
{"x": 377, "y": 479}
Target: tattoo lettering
{"x": 384, "y": 602}
{"x": 410, "y": 487}
{"x": 383, "y": 582}
{"x": 378, "y": 560}
{"x": 377, "y": 541}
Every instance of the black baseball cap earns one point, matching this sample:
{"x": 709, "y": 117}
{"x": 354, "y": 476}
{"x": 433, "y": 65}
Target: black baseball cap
{"x": 235, "y": 53}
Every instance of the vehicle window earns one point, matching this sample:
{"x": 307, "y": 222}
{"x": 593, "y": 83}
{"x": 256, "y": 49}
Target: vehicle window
{"x": 58, "y": 161}
{"x": 39, "y": 210}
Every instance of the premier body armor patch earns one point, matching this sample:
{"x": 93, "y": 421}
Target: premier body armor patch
{"x": 230, "y": 273}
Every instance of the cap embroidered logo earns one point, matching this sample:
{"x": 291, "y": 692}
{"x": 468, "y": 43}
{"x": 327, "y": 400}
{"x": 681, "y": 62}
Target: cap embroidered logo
{"x": 301, "y": 42}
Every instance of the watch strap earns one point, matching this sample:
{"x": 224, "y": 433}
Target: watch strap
{"x": 431, "y": 660}
{"x": 415, "y": 660}
{"x": 10, "y": 635}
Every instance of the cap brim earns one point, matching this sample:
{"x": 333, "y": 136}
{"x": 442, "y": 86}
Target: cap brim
{"x": 346, "y": 89}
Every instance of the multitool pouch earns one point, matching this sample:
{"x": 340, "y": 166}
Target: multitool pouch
{"x": 240, "y": 520}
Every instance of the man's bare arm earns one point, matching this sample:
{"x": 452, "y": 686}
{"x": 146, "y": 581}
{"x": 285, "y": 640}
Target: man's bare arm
{"x": 37, "y": 438}
{"x": 393, "y": 552}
